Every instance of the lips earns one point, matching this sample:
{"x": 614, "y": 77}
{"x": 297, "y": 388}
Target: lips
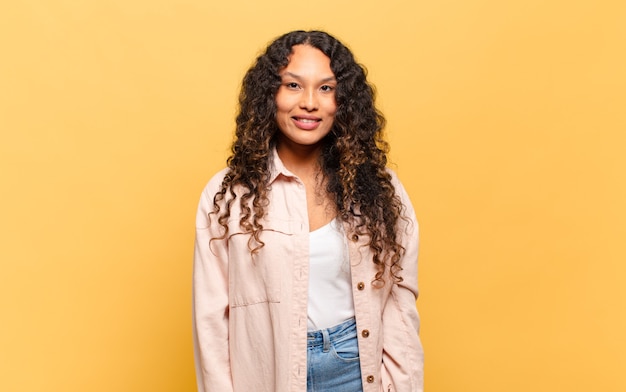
{"x": 306, "y": 122}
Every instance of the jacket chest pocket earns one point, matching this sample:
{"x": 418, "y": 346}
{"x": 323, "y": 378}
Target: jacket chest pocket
{"x": 257, "y": 278}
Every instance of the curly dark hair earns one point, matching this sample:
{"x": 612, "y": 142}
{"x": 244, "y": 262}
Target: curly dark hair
{"x": 353, "y": 159}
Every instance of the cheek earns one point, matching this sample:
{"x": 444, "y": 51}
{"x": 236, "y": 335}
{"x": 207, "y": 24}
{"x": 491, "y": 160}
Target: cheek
{"x": 332, "y": 108}
{"x": 279, "y": 100}
{"x": 283, "y": 102}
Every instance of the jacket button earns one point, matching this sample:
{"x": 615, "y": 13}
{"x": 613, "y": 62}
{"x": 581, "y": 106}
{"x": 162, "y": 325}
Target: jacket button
{"x": 365, "y": 333}
{"x": 355, "y": 237}
{"x": 360, "y": 285}
{"x": 370, "y": 379}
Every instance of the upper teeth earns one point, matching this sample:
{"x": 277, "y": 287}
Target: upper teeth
{"x": 307, "y": 120}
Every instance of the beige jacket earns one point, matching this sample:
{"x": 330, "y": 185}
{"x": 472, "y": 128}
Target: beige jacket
{"x": 250, "y": 313}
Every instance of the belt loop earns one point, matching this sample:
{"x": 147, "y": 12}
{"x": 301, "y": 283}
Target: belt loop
{"x": 326, "y": 340}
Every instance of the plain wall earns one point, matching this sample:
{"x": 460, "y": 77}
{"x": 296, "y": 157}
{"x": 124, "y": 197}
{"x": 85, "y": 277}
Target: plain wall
{"x": 507, "y": 125}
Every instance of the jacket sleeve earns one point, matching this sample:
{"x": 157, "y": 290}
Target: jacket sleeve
{"x": 210, "y": 300}
{"x": 403, "y": 360}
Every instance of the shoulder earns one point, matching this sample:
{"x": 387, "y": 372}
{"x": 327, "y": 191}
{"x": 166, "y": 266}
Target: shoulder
{"x": 215, "y": 183}
{"x": 393, "y": 174}
{"x": 397, "y": 184}
{"x": 211, "y": 189}
{"x": 402, "y": 194}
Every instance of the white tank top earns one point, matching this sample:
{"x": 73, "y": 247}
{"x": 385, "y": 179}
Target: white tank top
{"x": 330, "y": 286}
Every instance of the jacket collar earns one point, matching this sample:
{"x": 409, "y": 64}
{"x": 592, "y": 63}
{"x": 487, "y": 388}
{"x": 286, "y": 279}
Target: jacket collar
{"x": 277, "y": 168}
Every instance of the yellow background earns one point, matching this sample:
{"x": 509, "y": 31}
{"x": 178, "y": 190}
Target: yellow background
{"x": 507, "y": 123}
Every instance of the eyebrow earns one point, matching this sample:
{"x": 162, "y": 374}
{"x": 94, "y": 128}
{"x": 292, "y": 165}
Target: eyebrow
{"x": 295, "y": 76}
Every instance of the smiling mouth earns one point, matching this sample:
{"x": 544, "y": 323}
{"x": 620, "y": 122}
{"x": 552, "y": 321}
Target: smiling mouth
{"x": 306, "y": 120}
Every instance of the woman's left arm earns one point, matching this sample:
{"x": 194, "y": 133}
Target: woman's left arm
{"x": 403, "y": 360}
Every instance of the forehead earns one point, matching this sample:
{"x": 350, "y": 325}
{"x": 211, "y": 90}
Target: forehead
{"x": 307, "y": 60}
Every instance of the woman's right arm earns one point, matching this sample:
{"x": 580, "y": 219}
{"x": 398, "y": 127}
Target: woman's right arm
{"x": 210, "y": 300}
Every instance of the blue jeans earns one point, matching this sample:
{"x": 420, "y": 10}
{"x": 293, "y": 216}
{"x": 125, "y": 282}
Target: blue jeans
{"x": 333, "y": 359}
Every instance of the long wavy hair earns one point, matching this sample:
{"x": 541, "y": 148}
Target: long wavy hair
{"x": 353, "y": 159}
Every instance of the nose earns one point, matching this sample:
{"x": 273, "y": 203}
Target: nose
{"x": 309, "y": 100}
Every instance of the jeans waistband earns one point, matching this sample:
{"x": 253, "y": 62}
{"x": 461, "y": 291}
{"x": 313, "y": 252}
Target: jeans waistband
{"x": 337, "y": 333}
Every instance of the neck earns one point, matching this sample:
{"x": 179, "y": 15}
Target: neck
{"x": 302, "y": 161}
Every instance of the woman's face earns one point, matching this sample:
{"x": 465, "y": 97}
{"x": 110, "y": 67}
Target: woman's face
{"x": 305, "y": 100}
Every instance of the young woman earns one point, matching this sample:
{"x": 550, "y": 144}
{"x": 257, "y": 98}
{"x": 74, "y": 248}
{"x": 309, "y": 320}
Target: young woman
{"x": 305, "y": 270}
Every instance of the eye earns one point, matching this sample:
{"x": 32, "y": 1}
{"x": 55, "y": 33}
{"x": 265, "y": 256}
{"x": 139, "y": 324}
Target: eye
{"x": 292, "y": 85}
{"x": 327, "y": 88}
